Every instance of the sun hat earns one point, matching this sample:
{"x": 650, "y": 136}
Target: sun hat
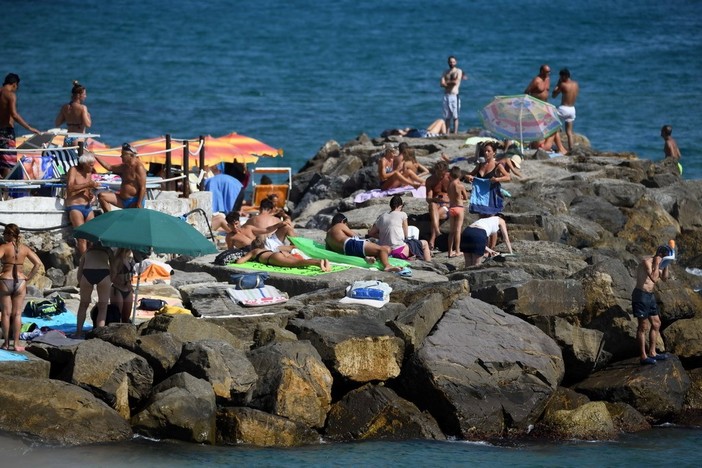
{"x": 517, "y": 161}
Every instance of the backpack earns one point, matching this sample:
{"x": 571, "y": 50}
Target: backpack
{"x": 45, "y": 308}
{"x": 113, "y": 314}
{"x": 230, "y": 255}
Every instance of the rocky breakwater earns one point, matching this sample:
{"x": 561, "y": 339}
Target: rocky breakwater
{"x": 541, "y": 344}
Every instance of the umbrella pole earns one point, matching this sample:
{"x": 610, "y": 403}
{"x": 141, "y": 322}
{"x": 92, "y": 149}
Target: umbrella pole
{"x": 136, "y": 292}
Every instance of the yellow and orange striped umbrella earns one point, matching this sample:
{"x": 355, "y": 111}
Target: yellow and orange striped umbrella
{"x": 225, "y": 148}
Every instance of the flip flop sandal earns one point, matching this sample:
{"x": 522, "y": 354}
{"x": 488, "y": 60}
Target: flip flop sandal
{"x": 405, "y": 272}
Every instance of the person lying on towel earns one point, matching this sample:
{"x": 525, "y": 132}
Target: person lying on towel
{"x": 259, "y": 253}
{"x": 340, "y": 238}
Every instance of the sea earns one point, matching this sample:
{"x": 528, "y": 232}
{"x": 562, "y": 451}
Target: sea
{"x": 296, "y": 74}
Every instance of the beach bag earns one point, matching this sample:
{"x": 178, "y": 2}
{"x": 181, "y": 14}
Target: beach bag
{"x": 146, "y": 303}
{"x": 45, "y": 308}
{"x": 230, "y": 256}
{"x": 113, "y": 314}
{"x": 248, "y": 280}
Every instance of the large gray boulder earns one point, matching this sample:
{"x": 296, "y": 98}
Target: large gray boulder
{"x": 227, "y": 369}
{"x": 375, "y": 412}
{"x": 113, "y": 374}
{"x": 483, "y": 373}
{"x": 590, "y": 421}
{"x": 181, "y": 407}
{"x": 292, "y": 382}
{"x": 656, "y": 391}
{"x": 161, "y": 351}
{"x": 188, "y": 328}
{"x": 357, "y": 348}
{"x": 684, "y": 339}
{"x": 56, "y": 412}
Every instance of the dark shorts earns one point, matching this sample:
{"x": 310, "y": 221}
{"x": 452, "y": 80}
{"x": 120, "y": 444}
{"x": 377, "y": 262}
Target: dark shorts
{"x": 473, "y": 241}
{"x": 643, "y": 304}
{"x": 354, "y": 247}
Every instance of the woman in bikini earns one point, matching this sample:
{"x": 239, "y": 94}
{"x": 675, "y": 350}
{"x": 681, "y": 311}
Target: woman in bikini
{"x": 94, "y": 272}
{"x": 80, "y": 195}
{"x": 122, "y": 292}
{"x": 75, "y": 114}
{"x": 411, "y": 169}
{"x": 259, "y": 253}
{"x": 390, "y": 171}
{"x": 13, "y": 283}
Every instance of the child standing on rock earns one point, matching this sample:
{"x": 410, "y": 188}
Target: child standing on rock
{"x": 457, "y": 197}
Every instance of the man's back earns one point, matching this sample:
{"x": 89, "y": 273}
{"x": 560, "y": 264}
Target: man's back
{"x": 7, "y": 99}
{"x": 225, "y": 190}
{"x": 569, "y": 91}
{"x": 336, "y": 236}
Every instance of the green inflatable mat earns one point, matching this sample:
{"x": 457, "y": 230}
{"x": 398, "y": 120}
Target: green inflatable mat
{"x": 306, "y": 271}
{"x": 317, "y": 250}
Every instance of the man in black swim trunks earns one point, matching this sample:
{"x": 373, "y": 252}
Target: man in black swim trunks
{"x": 8, "y": 117}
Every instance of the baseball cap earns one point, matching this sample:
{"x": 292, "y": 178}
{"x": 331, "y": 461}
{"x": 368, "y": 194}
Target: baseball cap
{"x": 664, "y": 251}
{"x": 129, "y": 148}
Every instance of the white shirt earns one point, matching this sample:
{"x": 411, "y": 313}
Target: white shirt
{"x": 490, "y": 225}
{"x": 390, "y": 230}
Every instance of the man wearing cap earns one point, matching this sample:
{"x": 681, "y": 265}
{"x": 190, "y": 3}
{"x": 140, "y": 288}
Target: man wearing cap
{"x": 643, "y": 303}
{"x": 132, "y": 191}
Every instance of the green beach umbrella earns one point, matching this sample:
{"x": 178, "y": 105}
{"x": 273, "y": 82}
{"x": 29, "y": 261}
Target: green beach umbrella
{"x": 144, "y": 230}
{"x": 147, "y": 231}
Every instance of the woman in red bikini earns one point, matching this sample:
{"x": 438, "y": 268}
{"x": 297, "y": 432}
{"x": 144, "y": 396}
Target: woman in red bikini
{"x": 13, "y": 283}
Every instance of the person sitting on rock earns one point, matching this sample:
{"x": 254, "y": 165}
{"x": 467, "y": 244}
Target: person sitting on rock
{"x": 269, "y": 215}
{"x": 391, "y": 230}
{"x": 260, "y": 253}
{"x": 390, "y": 171}
{"x": 340, "y": 238}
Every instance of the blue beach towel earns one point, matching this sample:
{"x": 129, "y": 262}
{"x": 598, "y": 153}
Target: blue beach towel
{"x": 485, "y": 198}
{"x": 12, "y": 356}
{"x": 65, "y": 322}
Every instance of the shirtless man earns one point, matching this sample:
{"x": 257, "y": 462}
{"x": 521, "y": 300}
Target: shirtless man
{"x": 133, "y": 188}
{"x": 540, "y": 84}
{"x": 451, "y": 82}
{"x": 340, "y": 238}
{"x": 670, "y": 148}
{"x": 569, "y": 89}
{"x": 643, "y": 303}
{"x": 266, "y": 218}
{"x": 437, "y": 198}
{"x": 8, "y": 117}
{"x": 242, "y": 236}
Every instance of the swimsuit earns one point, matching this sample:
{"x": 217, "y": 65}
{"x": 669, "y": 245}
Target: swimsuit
{"x": 273, "y": 243}
{"x": 95, "y": 275}
{"x": 124, "y": 294}
{"x": 455, "y": 211}
{"x": 132, "y": 201}
{"x": 452, "y": 106}
{"x": 354, "y": 247}
{"x": 643, "y": 304}
{"x": 13, "y": 285}
{"x": 8, "y": 159}
{"x": 257, "y": 258}
{"x": 473, "y": 240}
{"x": 567, "y": 113}
{"x": 399, "y": 253}
{"x": 85, "y": 210}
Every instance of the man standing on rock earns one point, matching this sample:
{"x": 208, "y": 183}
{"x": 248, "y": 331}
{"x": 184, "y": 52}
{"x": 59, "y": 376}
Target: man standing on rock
{"x": 569, "y": 89}
{"x": 540, "y": 84}
{"x": 643, "y": 303}
{"x": 451, "y": 82}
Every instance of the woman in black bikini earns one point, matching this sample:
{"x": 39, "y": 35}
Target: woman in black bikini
{"x": 75, "y": 114}
{"x": 13, "y": 283}
{"x": 260, "y": 254}
{"x": 122, "y": 292}
{"x": 94, "y": 272}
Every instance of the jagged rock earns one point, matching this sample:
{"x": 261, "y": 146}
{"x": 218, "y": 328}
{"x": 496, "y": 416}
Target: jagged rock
{"x": 619, "y": 192}
{"x": 186, "y": 328}
{"x": 606, "y": 285}
{"x": 180, "y": 278}
{"x": 113, "y": 374}
{"x": 359, "y": 349}
{"x": 600, "y": 211}
{"x": 691, "y": 414}
{"x": 564, "y": 399}
{"x": 254, "y": 427}
{"x": 483, "y": 372}
{"x": 590, "y": 421}
{"x": 268, "y": 333}
{"x": 59, "y": 358}
{"x": 334, "y": 308}
{"x": 648, "y": 224}
{"x": 684, "y": 339}
{"x": 181, "y": 407}
{"x": 374, "y": 412}
{"x": 626, "y": 418}
{"x": 56, "y": 412}
{"x": 582, "y": 348}
{"x": 61, "y": 257}
{"x": 226, "y": 368}
{"x": 415, "y": 324}
{"x": 56, "y": 277}
{"x": 161, "y": 351}
{"x": 657, "y": 391}
{"x": 677, "y": 301}
{"x": 292, "y": 382}
{"x": 123, "y": 335}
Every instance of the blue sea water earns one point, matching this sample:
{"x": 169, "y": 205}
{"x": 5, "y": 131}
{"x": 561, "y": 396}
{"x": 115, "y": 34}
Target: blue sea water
{"x": 295, "y": 74}
{"x": 298, "y": 73}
